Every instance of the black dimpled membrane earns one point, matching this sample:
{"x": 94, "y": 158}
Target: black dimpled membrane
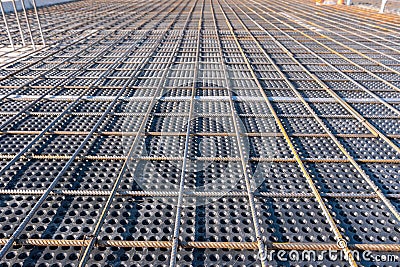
{"x": 196, "y": 133}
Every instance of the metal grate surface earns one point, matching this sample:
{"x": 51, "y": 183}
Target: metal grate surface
{"x": 202, "y": 133}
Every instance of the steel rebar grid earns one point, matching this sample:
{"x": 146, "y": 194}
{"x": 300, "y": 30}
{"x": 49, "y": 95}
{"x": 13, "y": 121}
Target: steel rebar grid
{"x": 260, "y": 35}
{"x": 175, "y": 240}
{"x": 47, "y": 192}
{"x": 327, "y": 214}
{"x": 56, "y": 86}
{"x": 336, "y": 141}
{"x": 376, "y": 189}
{"x": 111, "y": 13}
{"x": 21, "y": 227}
{"x": 133, "y": 146}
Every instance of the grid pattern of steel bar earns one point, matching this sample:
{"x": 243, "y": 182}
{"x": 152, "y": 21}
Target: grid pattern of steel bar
{"x": 340, "y": 146}
{"x": 200, "y": 133}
